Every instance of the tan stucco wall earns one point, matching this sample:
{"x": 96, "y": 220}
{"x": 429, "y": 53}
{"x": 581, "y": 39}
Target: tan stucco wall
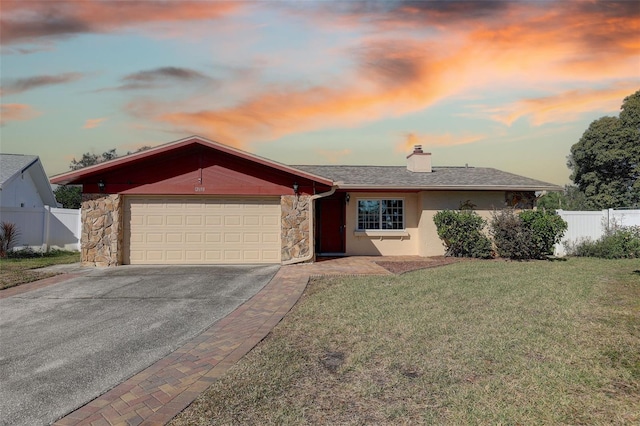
{"x": 383, "y": 243}
{"x": 422, "y": 238}
{"x": 433, "y": 201}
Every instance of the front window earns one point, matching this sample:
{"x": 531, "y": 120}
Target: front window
{"x": 380, "y": 214}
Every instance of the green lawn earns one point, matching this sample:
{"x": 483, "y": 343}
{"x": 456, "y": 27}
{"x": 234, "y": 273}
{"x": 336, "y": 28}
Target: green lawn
{"x": 16, "y": 271}
{"x": 484, "y": 342}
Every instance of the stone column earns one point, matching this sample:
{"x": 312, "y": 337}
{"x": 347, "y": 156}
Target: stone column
{"x": 102, "y": 233}
{"x": 295, "y": 226}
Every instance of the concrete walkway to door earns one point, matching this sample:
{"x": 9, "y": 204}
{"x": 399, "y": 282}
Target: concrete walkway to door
{"x": 158, "y": 393}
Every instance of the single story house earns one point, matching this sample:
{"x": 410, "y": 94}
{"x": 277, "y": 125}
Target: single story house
{"x": 24, "y": 183}
{"x": 195, "y": 201}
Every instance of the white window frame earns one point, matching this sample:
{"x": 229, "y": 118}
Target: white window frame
{"x": 380, "y": 230}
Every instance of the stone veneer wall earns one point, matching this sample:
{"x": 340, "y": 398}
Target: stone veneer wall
{"x": 295, "y": 226}
{"x": 101, "y": 240}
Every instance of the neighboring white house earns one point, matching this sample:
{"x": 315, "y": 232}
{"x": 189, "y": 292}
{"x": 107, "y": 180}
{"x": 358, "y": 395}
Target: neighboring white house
{"x": 23, "y": 182}
{"x": 27, "y": 200}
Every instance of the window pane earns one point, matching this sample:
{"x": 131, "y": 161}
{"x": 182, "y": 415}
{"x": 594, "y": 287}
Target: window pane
{"x": 368, "y": 214}
{"x": 392, "y": 214}
{"x": 380, "y": 214}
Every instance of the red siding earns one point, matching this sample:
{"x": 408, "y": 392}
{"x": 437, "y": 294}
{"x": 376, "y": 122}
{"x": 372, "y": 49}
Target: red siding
{"x": 198, "y": 170}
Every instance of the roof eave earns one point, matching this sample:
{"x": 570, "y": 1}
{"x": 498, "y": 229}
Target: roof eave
{"x": 552, "y": 188}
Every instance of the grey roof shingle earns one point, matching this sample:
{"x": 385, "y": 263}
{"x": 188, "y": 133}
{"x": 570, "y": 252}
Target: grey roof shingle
{"x": 10, "y": 164}
{"x": 398, "y": 177}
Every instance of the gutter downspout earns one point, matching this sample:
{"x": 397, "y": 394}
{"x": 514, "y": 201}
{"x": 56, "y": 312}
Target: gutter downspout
{"x": 312, "y": 200}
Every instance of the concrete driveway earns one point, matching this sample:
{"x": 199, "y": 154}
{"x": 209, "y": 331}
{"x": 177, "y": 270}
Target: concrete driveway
{"x": 63, "y": 345}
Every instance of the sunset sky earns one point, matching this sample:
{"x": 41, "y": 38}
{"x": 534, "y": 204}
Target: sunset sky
{"x": 503, "y": 84}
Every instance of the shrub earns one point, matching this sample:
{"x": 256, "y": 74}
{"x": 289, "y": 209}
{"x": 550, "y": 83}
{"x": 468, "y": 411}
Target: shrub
{"x": 9, "y": 234}
{"x": 547, "y": 229}
{"x": 622, "y": 243}
{"x": 530, "y": 234}
{"x": 511, "y": 238}
{"x": 461, "y": 232}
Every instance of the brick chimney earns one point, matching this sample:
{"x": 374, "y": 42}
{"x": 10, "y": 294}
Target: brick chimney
{"x": 419, "y": 161}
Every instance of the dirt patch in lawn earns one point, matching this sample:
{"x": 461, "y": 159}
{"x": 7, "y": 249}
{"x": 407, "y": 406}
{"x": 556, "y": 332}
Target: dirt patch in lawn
{"x": 402, "y": 266}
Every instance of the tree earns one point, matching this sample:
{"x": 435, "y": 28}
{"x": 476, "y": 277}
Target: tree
{"x": 605, "y": 163}
{"x": 70, "y": 196}
{"x": 89, "y": 159}
{"x": 570, "y": 199}
{"x": 142, "y": 148}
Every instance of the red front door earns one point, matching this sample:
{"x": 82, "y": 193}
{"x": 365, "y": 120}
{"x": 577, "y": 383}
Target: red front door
{"x": 331, "y": 229}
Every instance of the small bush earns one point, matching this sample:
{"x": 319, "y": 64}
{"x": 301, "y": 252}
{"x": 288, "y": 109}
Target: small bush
{"x": 511, "y": 238}
{"x": 547, "y": 229}
{"x": 9, "y": 234}
{"x": 24, "y": 253}
{"x": 530, "y": 234}
{"x": 461, "y": 232}
{"x": 622, "y": 243}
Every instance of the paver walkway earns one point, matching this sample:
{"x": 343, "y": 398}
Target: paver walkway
{"x": 157, "y": 394}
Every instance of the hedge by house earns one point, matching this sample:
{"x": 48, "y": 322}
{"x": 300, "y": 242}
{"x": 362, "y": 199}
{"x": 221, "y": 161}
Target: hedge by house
{"x": 530, "y": 234}
{"x": 461, "y": 232}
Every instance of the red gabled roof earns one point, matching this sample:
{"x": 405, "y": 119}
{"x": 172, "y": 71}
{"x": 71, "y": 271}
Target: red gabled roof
{"x": 76, "y": 176}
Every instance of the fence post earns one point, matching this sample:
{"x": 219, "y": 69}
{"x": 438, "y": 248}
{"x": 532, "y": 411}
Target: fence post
{"x": 46, "y": 217}
{"x": 79, "y": 230}
{"x": 612, "y": 217}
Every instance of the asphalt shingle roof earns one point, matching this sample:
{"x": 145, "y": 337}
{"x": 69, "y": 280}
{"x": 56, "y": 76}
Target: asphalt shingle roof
{"x": 398, "y": 177}
{"x": 10, "y": 164}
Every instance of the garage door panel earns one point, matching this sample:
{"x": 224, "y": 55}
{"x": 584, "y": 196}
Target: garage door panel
{"x": 232, "y": 255}
{"x": 214, "y": 256}
{"x": 154, "y": 255}
{"x": 232, "y": 237}
{"x": 192, "y": 220}
{"x": 213, "y": 237}
{"x": 174, "y": 237}
{"x": 137, "y": 220}
{"x": 194, "y": 256}
{"x": 174, "y": 220}
{"x": 251, "y": 237}
{"x": 155, "y": 238}
{"x": 193, "y": 238}
{"x": 251, "y": 255}
{"x": 155, "y": 220}
{"x": 270, "y": 238}
{"x": 271, "y": 220}
{"x": 192, "y": 230}
{"x": 232, "y": 220}
{"x": 271, "y": 255}
{"x": 213, "y": 220}
{"x": 251, "y": 220}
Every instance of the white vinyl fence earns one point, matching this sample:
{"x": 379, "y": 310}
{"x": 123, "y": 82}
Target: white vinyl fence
{"x": 592, "y": 224}
{"x": 44, "y": 228}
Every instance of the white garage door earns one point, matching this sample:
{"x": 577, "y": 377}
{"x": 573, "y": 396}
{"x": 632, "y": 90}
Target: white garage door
{"x": 199, "y": 230}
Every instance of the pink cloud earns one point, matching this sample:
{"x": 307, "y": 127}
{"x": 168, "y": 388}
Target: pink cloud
{"x": 504, "y": 46}
{"x": 564, "y": 106}
{"x": 16, "y": 112}
{"x": 30, "y": 21}
{"x": 92, "y": 123}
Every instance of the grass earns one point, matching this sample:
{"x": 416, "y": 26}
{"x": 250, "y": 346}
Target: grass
{"x": 487, "y": 342}
{"x": 19, "y": 270}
